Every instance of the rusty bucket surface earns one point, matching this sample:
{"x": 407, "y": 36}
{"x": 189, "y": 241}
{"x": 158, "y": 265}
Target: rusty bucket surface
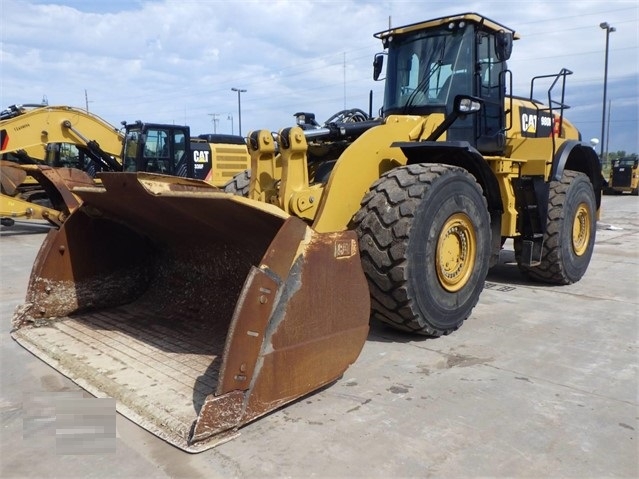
{"x": 198, "y": 311}
{"x": 11, "y": 177}
{"x": 58, "y": 183}
{"x": 24, "y": 200}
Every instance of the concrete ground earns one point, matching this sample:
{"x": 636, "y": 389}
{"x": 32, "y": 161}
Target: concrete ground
{"x": 541, "y": 381}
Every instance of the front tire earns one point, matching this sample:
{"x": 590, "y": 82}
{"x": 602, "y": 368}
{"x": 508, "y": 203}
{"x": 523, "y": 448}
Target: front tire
{"x": 570, "y": 231}
{"x": 424, "y": 235}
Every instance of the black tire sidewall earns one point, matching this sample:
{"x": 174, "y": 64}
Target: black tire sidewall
{"x": 580, "y": 191}
{"x": 239, "y": 185}
{"x": 450, "y": 194}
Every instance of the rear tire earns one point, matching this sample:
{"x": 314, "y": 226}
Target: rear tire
{"x": 570, "y": 231}
{"x": 424, "y": 235}
{"x": 40, "y": 199}
{"x": 239, "y": 185}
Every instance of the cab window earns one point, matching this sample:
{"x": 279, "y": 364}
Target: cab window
{"x": 156, "y": 151}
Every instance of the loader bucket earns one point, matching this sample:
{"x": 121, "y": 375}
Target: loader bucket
{"x": 197, "y": 310}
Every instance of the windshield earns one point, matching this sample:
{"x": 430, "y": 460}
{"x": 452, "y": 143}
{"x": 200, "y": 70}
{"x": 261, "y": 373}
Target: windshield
{"x": 625, "y": 162}
{"x": 68, "y": 155}
{"x": 64, "y": 155}
{"x": 428, "y": 69}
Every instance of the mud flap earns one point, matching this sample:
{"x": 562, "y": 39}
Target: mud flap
{"x": 197, "y": 310}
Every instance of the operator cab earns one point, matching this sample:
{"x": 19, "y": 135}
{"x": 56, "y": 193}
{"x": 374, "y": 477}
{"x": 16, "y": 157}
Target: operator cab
{"x": 90, "y": 160}
{"x": 430, "y": 63}
{"x": 156, "y": 148}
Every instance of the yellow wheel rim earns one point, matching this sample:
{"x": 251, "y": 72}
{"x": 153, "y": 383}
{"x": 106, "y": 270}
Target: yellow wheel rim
{"x": 455, "y": 255}
{"x": 581, "y": 229}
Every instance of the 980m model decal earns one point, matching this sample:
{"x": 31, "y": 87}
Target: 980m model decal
{"x": 535, "y": 123}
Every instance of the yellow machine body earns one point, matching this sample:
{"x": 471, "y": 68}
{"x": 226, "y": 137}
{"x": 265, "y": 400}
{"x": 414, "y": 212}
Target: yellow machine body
{"x": 200, "y": 309}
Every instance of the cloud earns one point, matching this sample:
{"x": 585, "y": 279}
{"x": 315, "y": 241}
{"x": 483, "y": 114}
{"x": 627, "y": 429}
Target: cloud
{"x": 176, "y": 61}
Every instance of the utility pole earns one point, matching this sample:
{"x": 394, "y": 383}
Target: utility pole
{"x": 86, "y": 100}
{"x": 239, "y": 109}
{"x": 215, "y": 120}
{"x": 344, "y": 80}
{"x": 230, "y": 117}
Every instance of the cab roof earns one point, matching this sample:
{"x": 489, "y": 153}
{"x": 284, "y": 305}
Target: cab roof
{"x": 475, "y": 18}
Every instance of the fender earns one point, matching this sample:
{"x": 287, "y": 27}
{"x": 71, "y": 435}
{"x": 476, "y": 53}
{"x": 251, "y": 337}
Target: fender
{"x": 578, "y": 156}
{"x": 456, "y": 153}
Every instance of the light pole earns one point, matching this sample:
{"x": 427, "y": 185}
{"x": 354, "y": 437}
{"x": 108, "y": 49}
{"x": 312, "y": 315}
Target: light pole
{"x": 608, "y": 130}
{"x": 239, "y": 109}
{"x": 609, "y": 29}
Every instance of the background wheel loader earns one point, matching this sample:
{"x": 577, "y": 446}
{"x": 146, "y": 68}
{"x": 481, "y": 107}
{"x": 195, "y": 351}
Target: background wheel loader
{"x": 624, "y": 177}
{"x": 49, "y": 150}
{"x": 200, "y": 310}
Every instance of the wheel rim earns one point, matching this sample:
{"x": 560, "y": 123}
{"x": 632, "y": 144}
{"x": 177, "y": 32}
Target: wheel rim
{"x": 455, "y": 256}
{"x": 581, "y": 229}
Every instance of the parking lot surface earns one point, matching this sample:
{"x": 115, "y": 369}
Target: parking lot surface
{"x": 541, "y": 381}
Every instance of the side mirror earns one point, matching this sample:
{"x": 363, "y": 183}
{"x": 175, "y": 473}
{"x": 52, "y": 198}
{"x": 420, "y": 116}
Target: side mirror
{"x": 378, "y": 63}
{"x": 503, "y": 45}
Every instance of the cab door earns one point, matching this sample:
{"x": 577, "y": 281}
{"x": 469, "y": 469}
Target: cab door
{"x": 165, "y": 151}
{"x": 490, "y": 75}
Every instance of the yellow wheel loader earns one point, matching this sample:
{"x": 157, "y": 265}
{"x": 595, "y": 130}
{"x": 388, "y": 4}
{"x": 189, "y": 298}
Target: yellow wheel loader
{"x": 624, "y": 176}
{"x": 200, "y": 309}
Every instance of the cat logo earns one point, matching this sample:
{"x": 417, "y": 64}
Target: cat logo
{"x": 529, "y": 123}
{"x": 535, "y": 124}
{"x": 201, "y": 156}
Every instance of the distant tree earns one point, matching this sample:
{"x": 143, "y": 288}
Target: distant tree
{"x": 615, "y": 155}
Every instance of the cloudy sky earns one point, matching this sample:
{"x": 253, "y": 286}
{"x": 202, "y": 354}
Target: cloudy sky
{"x": 175, "y": 61}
